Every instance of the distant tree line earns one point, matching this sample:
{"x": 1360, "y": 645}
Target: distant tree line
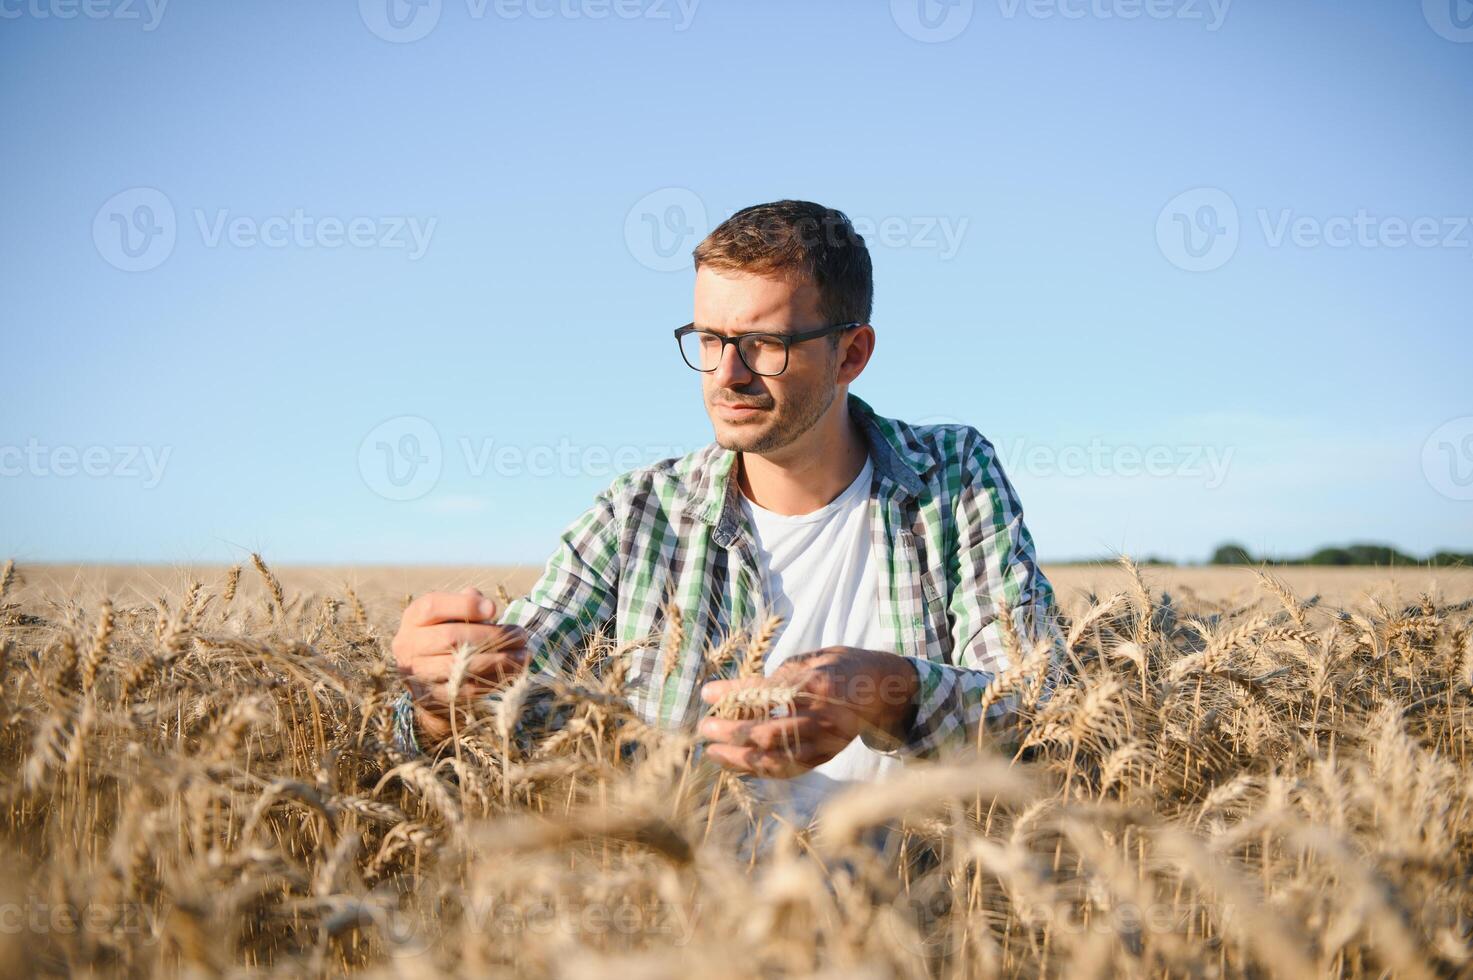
{"x": 1352, "y": 554}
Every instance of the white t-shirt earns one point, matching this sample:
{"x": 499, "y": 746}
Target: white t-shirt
{"x": 819, "y": 574}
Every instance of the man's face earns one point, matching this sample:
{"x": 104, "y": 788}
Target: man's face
{"x": 751, "y": 413}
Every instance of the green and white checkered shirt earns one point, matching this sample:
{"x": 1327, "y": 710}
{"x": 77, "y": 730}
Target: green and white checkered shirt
{"x": 944, "y": 517}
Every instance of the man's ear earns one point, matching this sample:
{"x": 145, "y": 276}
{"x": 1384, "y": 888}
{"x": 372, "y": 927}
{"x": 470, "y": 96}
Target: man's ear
{"x": 856, "y": 347}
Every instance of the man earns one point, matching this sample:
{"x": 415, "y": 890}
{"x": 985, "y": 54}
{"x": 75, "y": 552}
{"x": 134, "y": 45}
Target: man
{"x": 891, "y": 551}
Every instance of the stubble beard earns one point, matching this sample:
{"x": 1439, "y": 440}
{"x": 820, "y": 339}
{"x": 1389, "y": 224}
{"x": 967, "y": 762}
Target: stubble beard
{"x": 802, "y": 415}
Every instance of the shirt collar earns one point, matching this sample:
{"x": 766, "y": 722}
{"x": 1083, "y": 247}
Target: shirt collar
{"x": 714, "y": 493}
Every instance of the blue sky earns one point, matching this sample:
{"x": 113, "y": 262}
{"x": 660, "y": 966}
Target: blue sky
{"x": 361, "y": 283}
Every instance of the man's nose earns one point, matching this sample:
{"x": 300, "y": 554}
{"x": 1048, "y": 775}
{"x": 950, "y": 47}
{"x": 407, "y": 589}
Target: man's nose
{"x": 730, "y": 370}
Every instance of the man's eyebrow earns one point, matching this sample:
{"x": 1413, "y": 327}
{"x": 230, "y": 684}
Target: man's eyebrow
{"x": 776, "y": 330}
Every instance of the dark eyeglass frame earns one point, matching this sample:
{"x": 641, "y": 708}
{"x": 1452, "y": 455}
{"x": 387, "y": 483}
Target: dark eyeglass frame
{"x": 786, "y": 339}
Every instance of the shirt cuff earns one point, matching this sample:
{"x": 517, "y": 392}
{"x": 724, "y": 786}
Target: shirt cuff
{"x": 406, "y": 739}
{"x": 935, "y": 686}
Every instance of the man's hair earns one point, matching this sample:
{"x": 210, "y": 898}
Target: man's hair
{"x": 800, "y": 239}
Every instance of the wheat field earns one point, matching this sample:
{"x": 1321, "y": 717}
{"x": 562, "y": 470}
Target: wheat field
{"x": 1248, "y": 773}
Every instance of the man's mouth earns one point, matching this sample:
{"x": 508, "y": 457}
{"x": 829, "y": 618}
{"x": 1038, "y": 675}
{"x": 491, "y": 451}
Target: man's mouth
{"x": 723, "y": 403}
{"x": 739, "y": 410}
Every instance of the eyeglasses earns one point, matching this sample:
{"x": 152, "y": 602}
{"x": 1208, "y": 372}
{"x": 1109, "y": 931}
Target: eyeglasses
{"x": 764, "y": 354}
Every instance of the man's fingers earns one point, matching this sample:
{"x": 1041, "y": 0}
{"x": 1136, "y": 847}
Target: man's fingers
{"x": 782, "y": 734}
{"x": 438, "y": 695}
{"x": 434, "y": 696}
{"x": 482, "y": 668}
{"x": 443, "y": 639}
{"x": 725, "y": 730}
{"x": 772, "y": 765}
{"x": 764, "y": 734}
{"x": 469, "y": 606}
{"x": 713, "y": 691}
{"x": 737, "y": 757}
{"x": 804, "y": 737}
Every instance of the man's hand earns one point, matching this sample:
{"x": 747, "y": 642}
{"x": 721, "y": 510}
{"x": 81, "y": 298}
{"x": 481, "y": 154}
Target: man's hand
{"x": 431, "y": 629}
{"x": 841, "y": 692}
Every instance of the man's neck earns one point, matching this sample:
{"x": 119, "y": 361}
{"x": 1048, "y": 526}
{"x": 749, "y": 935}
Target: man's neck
{"x": 804, "y": 476}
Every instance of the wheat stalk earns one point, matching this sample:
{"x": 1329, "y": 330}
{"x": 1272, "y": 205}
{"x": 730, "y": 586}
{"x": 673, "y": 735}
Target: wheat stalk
{"x": 755, "y": 658}
{"x": 273, "y": 585}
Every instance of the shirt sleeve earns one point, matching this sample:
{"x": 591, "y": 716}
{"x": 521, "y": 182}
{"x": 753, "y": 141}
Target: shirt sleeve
{"x": 576, "y": 593}
{"x": 578, "y": 590}
{"x": 995, "y": 569}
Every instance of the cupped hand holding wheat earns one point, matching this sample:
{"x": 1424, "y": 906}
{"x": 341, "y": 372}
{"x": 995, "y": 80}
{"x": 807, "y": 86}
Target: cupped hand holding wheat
{"x": 450, "y": 650}
{"x": 826, "y": 699}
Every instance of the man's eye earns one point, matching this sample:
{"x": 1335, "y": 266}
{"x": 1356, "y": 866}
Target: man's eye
{"x": 763, "y": 345}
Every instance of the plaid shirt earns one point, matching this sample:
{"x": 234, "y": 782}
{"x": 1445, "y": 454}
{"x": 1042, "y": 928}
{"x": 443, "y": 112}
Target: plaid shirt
{"x": 944, "y": 518}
